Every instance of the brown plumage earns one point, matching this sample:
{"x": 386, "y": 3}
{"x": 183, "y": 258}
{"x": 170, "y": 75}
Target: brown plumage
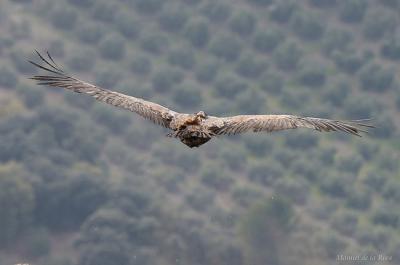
{"x": 192, "y": 129}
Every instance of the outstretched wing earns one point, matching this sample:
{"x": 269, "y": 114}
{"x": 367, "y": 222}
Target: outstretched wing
{"x": 269, "y": 123}
{"x": 58, "y": 78}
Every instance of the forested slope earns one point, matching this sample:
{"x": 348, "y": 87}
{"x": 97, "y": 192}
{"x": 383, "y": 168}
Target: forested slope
{"x": 85, "y": 183}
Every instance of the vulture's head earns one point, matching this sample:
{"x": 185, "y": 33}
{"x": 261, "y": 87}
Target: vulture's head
{"x": 201, "y": 114}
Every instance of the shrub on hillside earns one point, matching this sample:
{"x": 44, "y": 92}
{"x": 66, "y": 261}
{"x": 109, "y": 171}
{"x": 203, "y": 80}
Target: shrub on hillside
{"x": 336, "y": 92}
{"x": 267, "y": 40}
{"x": 105, "y": 11}
{"x": 64, "y": 18}
{"x": 336, "y": 40}
{"x": 154, "y": 43}
{"x": 359, "y": 200}
{"x": 107, "y": 77}
{"x": 306, "y": 25}
{"x": 183, "y": 57}
{"x": 301, "y": 140}
{"x": 391, "y": 190}
{"x": 387, "y": 215}
{"x": 386, "y": 128}
{"x": 352, "y": 11}
{"x": 187, "y": 95}
{"x": 377, "y": 23}
{"x": 114, "y": 120}
{"x": 213, "y": 176}
{"x": 258, "y": 146}
{"x": 243, "y": 23}
{"x": 250, "y": 101}
{"x": 312, "y": 75}
{"x": 283, "y": 10}
{"x": 141, "y": 65}
{"x": 173, "y": 20}
{"x": 128, "y": 25}
{"x": 265, "y": 173}
{"x": 226, "y": 47}
{"x": 90, "y": 33}
{"x": 348, "y": 62}
{"x": 374, "y": 77}
{"x": 165, "y": 78}
{"x": 296, "y": 190}
{"x": 272, "y": 82}
{"x": 37, "y": 243}
{"x": 229, "y": 85}
{"x": 82, "y": 60}
{"x": 196, "y": 31}
{"x": 323, "y": 3}
{"x": 357, "y": 107}
{"x": 287, "y": 56}
{"x": 250, "y": 67}
{"x": 17, "y": 199}
{"x": 345, "y": 222}
{"x": 8, "y": 78}
{"x": 217, "y": 11}
{"x": 31, "y": 95}
{"x": 391, "y": 49}
{"x": 261, "y": 2}
{"x": 112, "y": 47}
{"x": 206, "y": 71}
{"x": 19, "y": 60}
{"x": 148, "y": 6}
{"x": 82, "y": 3}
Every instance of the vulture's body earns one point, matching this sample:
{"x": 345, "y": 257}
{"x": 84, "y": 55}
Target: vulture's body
{"x": 192, "y": 129}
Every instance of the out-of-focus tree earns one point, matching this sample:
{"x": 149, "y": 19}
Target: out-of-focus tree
{"x": 272, "y": 82}
{"x": 243, "y": 23}
{"x": 183, "y": 57}
{"x": 105, "y": 11}
{"x": 265, "y": 173}
{"x": 287, "y": 56}
{"x": 283, "y": 10}
{"x": 128, "y": 25}
{"x": 226, "y": 47}
{"x": 312, "y": 74}
{"x": 187, "y": 95}
{"x": 217, "y": 11}
{"x": 229, "y": 85}
{"x": 90, "y": 33}
{"x": 323, "y": 3}
{"x": 82, "y": 60}
{"x": 112, "y": 47}
{"x": 336, "y": 40}
{"x": 207, "y": 71}
{"x": 378, "y": 22}
{"x": 307, "y": 25}
{"x": 267, "y": 40}
{"x": 59, "y": 203}
{"x": 165, "y": 78}
{"x": 352, "y": 11}
{"x": 197, "y": 32}
{"x": 17, "y": 202}
{"x": 81, "y": 3}
{"x": 173, "y": 19}
{"x": 141, "y": 65}
{"x": 8, "y": 78}
{"x": 148, "y": 6}
{"x": 63, "y": 17}
{"x": 374, "y": 77}
{"x": 154, "y": 43}
{"x": 265, "y": 231}
{"x": 251, "y": 67}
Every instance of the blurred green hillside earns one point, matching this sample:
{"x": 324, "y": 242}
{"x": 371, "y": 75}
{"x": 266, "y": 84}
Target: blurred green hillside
{"x": 83, "y": 183}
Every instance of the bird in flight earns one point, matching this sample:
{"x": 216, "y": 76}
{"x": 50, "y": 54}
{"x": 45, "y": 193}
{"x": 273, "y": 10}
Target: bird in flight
{"x": 191, "y": 129}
